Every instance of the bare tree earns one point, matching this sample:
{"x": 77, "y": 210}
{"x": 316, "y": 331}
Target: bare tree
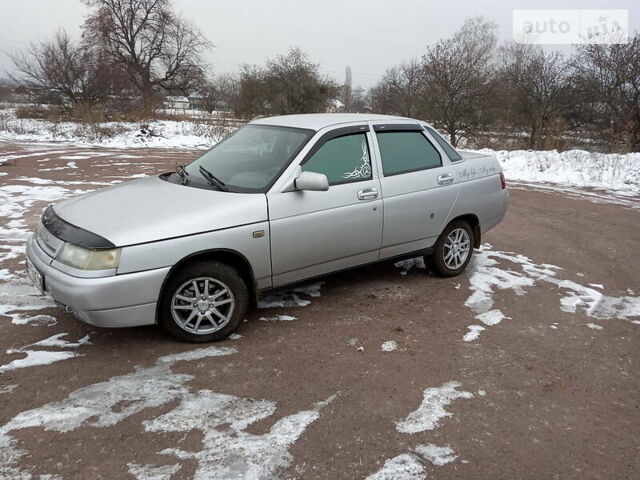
{"x": 607, "y": 83}
{"x": 294, "y": 84}
{"x": 219, "y": 92}
{"x": 157, "y": 48}
{"x": 458, "y": 72}
{"x": 251, "y": 98}
{"x": 62, "y": 67}
{"x": 533, "y": 86}
{"x": 359, "y": 100}
{"x": 401, "y": 90}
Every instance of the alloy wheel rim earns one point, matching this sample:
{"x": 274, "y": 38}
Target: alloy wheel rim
{"x": 456, "y": 248}
{"x": 202, "y": 305}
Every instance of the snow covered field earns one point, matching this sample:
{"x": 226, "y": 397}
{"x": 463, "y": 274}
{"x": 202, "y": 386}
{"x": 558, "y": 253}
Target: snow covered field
{"x": 615, "y": 172}
{"x": 155, "y": 134}
{"x": 619, "y": 173}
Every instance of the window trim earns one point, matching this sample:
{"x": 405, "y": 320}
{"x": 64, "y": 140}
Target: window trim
{"x": 339, "y": 133}
{"x": 435, "y": 134}
{"x": 419, "y": 130}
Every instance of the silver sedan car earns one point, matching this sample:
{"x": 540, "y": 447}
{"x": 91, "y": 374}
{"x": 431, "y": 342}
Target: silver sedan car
{"x": 280, "y": 200}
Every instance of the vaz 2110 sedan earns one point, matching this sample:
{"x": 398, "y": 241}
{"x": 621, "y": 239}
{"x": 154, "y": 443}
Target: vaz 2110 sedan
{"x": 281, "y": 200}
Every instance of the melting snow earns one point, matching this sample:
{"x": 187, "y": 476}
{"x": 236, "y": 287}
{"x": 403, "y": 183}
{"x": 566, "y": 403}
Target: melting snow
{"x": 290, "y": 298}
{"x": 19, "y": 296}
{"x": 278, "y": 318}
{"x": 407, "y": 265}
{"x": 56, "y": 341}
{"x": 40, "y": 357}
{"x": 429, "y": 413}
{"x": 492, "y": 317}
{"x": 36, "y": 358}
{"x": 389, "y": 346}
{"x": 595, "y": 326}
{"x": 436, "y": 455}
{"x": 7, "y": 388}
{"x": 149, "y": 472}
{"x": 229, "y": 451}
{"x": 402, "y": 467}
{"x": 486, "y": 276}
{"x": 473, "y": 333}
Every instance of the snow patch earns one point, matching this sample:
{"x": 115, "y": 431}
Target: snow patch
{"x": 406, "y": 265}
{"x": 487, "y": 275}
{"x": 149, "y": 472}
{"x": 7, "y": 388}
{"x": 492, "y": 317}
{"x": 228, "y": 450}
{"x": 402, "y": 467}
{"x": 278, "y": 318}
{"x": 290, "y": 298}
{"x": 36, "y": 358}
{"x": 595, "y": 326}
{"x": 438, "y": 456}
{"x": 431, "y": 410}
{"x": 389, "y": 346}
{"x": 56, "y": 341}
{"x": 473, "y": 333}
{"x": 232, "y": 452}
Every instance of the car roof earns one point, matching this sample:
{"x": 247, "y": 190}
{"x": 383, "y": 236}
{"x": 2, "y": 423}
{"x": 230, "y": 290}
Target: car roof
{"x": 317, "y": 121}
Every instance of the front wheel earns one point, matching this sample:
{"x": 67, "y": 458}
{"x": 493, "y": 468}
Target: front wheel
{"x": 204, "y": 302}
{"x": 453, "y": 250}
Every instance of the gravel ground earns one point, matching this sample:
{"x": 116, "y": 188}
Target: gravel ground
{"x": 526, "y": 366}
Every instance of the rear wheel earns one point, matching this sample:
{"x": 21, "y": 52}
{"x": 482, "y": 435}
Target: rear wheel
{"x": 204, "y": 302}
{"x": 453, "y": 250}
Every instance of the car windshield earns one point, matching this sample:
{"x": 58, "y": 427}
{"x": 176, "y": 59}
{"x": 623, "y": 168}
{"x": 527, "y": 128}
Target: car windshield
{"x": 251, "y": 158}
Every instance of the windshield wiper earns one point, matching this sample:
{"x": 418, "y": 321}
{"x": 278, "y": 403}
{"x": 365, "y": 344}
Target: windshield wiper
{"x": 182, "y": 173}
{"x": 213, "y": 180}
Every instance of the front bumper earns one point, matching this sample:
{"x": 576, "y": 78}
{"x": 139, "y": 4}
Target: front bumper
{"x": 126, "y": 300}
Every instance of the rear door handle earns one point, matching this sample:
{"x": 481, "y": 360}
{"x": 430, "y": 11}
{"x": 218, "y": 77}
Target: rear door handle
{"x": 445, "y": 179}
{"x": 367, "y": 194}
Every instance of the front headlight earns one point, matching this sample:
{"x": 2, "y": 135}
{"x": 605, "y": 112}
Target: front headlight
{"x": 85, "y": 259}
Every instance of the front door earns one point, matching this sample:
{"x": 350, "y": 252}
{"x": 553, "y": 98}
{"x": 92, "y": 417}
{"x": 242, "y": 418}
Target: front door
{"x": 314, "y": 233}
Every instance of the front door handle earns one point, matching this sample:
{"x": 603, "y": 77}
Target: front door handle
{"x": 367, "y": 194}
{"x": 445, "y": 179}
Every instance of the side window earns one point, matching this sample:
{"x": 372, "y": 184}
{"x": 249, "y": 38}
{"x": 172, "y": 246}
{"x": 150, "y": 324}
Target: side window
{"x": 404, "y": 152}
{"x": 451, "y": 152}
{"x": 342, "y": 160}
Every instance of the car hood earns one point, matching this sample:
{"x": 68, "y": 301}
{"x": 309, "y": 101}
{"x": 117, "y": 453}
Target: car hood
{"x": 152, "y": 209}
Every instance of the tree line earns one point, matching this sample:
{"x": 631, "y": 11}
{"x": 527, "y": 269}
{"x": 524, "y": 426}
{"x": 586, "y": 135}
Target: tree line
{"x": 132, "y": 52}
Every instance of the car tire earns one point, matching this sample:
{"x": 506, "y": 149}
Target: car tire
{"x": 453, "y": 250}
{"x": 203, "y": 302}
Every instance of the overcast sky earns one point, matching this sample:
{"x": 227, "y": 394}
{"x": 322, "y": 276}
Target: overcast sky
{"x": 369, "y": 35}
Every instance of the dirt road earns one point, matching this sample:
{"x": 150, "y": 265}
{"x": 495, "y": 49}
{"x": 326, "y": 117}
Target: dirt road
{"x": 527, "y": 366}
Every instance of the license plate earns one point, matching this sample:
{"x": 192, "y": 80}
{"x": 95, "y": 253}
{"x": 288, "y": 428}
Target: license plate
{"x": 35, "y": 276}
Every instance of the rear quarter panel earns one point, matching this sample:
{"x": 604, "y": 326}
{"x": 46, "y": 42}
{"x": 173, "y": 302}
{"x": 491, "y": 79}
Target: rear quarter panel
{"x": 481, "y": 193}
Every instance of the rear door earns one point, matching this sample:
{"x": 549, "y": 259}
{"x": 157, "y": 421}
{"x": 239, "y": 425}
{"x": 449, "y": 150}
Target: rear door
{"x": 418, "y": 188}
{"x": 313, "y": 233}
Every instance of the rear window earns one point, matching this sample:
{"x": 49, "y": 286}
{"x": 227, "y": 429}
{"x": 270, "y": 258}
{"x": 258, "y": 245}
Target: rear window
{"x": 451, "y": 152}
{"x": 404, "y": 152}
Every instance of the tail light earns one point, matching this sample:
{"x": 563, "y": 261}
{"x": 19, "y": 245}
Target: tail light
{"x": 503, "y": 182}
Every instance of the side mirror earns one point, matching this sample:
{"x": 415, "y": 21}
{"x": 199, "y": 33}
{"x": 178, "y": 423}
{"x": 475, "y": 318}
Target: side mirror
{"x": 312, "y": 181}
